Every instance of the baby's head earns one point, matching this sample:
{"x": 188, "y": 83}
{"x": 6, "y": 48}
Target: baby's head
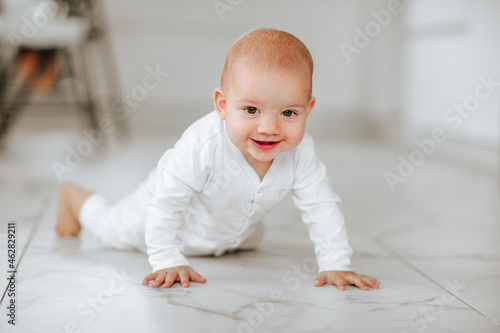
{"x": 268, "y": 50}
{"x": 266, "y": 93}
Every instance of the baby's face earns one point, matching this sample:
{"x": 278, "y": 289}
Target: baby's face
{"x": 265, "y": 111}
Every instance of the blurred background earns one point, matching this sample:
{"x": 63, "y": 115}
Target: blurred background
{"x": 386, "y": 72}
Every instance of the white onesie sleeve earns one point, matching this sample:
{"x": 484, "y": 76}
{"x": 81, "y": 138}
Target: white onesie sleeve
{"x": 320, "y": 210}
{"x": 182, "y": 172}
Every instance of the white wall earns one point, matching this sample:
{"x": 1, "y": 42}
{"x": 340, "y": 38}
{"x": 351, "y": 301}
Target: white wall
{"x": 449, "y": 45}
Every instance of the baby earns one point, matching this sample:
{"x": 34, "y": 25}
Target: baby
{"x": 209, "y": 193}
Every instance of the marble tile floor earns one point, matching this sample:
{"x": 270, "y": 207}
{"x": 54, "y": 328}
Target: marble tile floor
{"x": 434, "y": 245}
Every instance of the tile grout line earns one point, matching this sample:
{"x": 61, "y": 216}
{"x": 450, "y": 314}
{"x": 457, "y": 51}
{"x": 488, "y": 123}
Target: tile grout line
{"x": 422, "y": 273}
{"x": 34, "y": 227}
{"x": 419, "y": 271}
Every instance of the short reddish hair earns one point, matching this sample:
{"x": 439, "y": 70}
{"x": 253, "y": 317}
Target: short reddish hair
{"x": 269, "y": 49}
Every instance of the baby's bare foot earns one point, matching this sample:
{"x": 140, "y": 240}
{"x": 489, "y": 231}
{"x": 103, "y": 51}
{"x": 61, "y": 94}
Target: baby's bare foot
{"x": 67, "y": 220}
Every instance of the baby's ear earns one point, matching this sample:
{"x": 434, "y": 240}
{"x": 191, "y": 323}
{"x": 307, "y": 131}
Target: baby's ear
{"x": 312, "y": 103}
{"x": 220, "y": 103}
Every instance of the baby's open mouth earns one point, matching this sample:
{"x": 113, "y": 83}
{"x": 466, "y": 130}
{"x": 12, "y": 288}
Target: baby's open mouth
{"x": 265, "y": 145}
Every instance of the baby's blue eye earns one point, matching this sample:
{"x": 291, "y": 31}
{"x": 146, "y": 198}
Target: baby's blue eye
{"x": 251, "y": 110}
{"x": 288, "y": 113}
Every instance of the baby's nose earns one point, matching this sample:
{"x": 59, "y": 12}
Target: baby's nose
{"x": 269, "y": 126}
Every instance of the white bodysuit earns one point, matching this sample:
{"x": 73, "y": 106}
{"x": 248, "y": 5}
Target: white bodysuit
{"x": 205, "y": 198}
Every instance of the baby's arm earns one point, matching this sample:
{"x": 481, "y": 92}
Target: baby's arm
{"x": 322, "y": 215}
{"x": 168, "y": 276}
{"x": 181, "y": 173}
{"x": 341, "y": 278}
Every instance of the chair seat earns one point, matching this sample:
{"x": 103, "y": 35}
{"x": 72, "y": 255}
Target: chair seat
{"x": 59, "y": 33}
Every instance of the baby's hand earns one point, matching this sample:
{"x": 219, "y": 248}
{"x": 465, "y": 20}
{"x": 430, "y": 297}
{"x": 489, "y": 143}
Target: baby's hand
{"x": 168, "y": 276}
{"x": 341, "y": 278}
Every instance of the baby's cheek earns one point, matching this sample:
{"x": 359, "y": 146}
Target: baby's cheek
{"x": 234, "y": 133}
{"x": 238, "y": 128}
{"x": 295, "y": 134}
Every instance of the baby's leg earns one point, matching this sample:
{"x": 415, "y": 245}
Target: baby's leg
{"x": 117, "y": 225}
{"x": 71, "y": 199}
